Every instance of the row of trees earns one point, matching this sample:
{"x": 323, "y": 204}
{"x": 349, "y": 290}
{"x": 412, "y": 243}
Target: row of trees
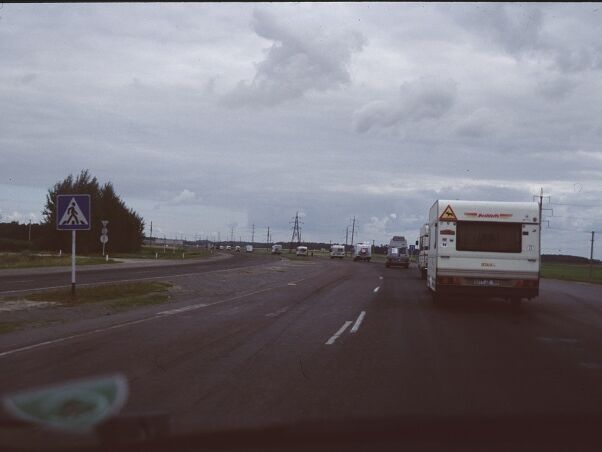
{"x": 126, "y": 227}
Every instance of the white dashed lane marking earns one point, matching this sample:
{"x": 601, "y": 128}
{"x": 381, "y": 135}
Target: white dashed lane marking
{"x": 336, "y": 335}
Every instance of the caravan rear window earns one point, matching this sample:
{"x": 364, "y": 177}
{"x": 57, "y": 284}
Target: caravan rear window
{"x": 488, "y": 236}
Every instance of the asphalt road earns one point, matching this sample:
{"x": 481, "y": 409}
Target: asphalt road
{"x": 323, "y": 340}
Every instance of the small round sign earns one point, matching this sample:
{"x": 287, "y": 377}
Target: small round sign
{"x": 104, "y": 239}
{"x": 104, "y": 230}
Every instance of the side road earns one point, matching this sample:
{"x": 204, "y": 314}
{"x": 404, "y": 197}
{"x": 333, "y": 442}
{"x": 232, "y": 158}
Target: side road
{"x": 122, "y": 263}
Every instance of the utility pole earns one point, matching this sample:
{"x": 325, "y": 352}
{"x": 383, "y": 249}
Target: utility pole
{"x": 268, "y": 238}
{"x": 231, "y": 234}
{"x": 29, "y": 234}
{"x": 352, "y": 231}
{"x": 591, "y": 257}
{"x": 151, "y": 234}
{"x": 346, "y": 238}
{"x": 253, "y": 235}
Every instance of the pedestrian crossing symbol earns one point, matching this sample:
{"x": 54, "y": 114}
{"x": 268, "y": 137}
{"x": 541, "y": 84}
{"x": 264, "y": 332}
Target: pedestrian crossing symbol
{"x": 73, "y": 212}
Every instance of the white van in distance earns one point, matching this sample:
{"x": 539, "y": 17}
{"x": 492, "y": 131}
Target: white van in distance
{"x": 301, "y": 251}
{"x": 337, "y": 251}
{"x": 277, "y": 249}
{"x": 484, "y": 248}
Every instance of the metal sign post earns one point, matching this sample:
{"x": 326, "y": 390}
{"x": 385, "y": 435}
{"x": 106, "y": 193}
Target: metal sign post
{"x": 104, "y": 238}
{"x": 73, "y": 213}
{"x": 73, "y": 262}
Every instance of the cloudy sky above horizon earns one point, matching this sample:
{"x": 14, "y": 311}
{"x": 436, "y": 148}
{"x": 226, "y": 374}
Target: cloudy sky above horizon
{"x": 212, "y": 116}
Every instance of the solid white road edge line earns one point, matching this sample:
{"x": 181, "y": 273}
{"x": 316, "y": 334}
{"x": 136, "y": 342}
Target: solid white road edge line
{"x": 338, "y": 333}
{"x": 358, "y": 322}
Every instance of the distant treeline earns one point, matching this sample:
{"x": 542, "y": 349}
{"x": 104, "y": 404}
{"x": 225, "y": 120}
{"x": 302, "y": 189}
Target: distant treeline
{"x": 125, "y": 226}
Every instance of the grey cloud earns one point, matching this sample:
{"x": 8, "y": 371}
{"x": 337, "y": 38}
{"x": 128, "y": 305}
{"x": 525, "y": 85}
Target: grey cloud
{"x": 524, "y": 31}
{"x": 556, "y": 88}
{"x": 578, "y": 59}
{"x": 426, "y": 98}
{"x": 514, "y": 27}
{"x": 298, "y": 61}
{"x": 478, "y": 124}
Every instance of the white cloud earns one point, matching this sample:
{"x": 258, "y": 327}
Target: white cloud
{"x": 302, "y": 57}
{"x": 185, "y": 196}
{"x": 423, "y": 99}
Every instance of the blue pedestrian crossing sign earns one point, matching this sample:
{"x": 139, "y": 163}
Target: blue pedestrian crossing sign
{"x": 73, "y": 212}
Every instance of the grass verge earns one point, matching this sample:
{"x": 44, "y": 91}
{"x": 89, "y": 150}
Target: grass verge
{"x": 109, "y": 297}
{"x": 26, "y": 260}
{"x": 572, "y": 272}
{"x": 122, "y": 294}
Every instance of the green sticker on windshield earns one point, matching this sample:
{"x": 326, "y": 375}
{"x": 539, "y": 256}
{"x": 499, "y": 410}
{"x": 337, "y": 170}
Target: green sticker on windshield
{"x": 76, "y": 406}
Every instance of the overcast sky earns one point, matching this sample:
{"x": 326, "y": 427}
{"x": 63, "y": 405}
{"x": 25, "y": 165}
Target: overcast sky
{"x": 211, "y": 116}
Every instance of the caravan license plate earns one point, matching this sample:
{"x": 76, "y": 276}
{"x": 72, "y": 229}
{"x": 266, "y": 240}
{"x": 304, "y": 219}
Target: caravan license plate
{"x": 486, "y": 282}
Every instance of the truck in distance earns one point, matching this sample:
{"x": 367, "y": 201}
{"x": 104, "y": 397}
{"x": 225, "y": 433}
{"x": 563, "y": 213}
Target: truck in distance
{"x": 397, "y": 252}
{"x": 423, "y": 245}
{"x": 337, "y": 251}
{"x": 277, "y": 249}
{"x": 485, "y": 249}
{"x": 362, "y": 252}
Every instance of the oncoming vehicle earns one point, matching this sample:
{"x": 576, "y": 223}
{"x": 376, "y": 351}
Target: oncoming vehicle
{"x": 423, "y": 244}
{"x": 362, "y": 252}
{"x": 301, "y": 251}
{"x": 228, "y": 247}
{"x": 337, "y": 251}
{"x": 249, "y": 249}
{"x": 488, "y": 249}
{"x": 397, "y": 253}
{"x": 277, "y": 249}
{"x": 237, "y": 248}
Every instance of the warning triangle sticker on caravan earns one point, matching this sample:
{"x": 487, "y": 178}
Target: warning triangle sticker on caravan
{"x": 448, "y": 214}
{"x": 73, "y": 215}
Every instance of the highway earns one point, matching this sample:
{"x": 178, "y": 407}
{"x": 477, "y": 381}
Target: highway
{"x": 287, "y": 341}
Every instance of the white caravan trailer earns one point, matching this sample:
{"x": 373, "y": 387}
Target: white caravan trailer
{"x": 423, "y": 244}
{"x": 484, "y": 248}
{"x": 362, "y": 252}
{"x": 337, "y": 251}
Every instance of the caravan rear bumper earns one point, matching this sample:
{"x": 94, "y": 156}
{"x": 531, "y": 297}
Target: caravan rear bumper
{"x": 488, "y": 287}
{"x": 502, "y": 292}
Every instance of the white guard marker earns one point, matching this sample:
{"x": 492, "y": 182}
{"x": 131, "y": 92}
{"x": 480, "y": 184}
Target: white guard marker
{"x": 376, "y": 289}
{"x": 358, "y": 322}
{"x": 338, "y": 333}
